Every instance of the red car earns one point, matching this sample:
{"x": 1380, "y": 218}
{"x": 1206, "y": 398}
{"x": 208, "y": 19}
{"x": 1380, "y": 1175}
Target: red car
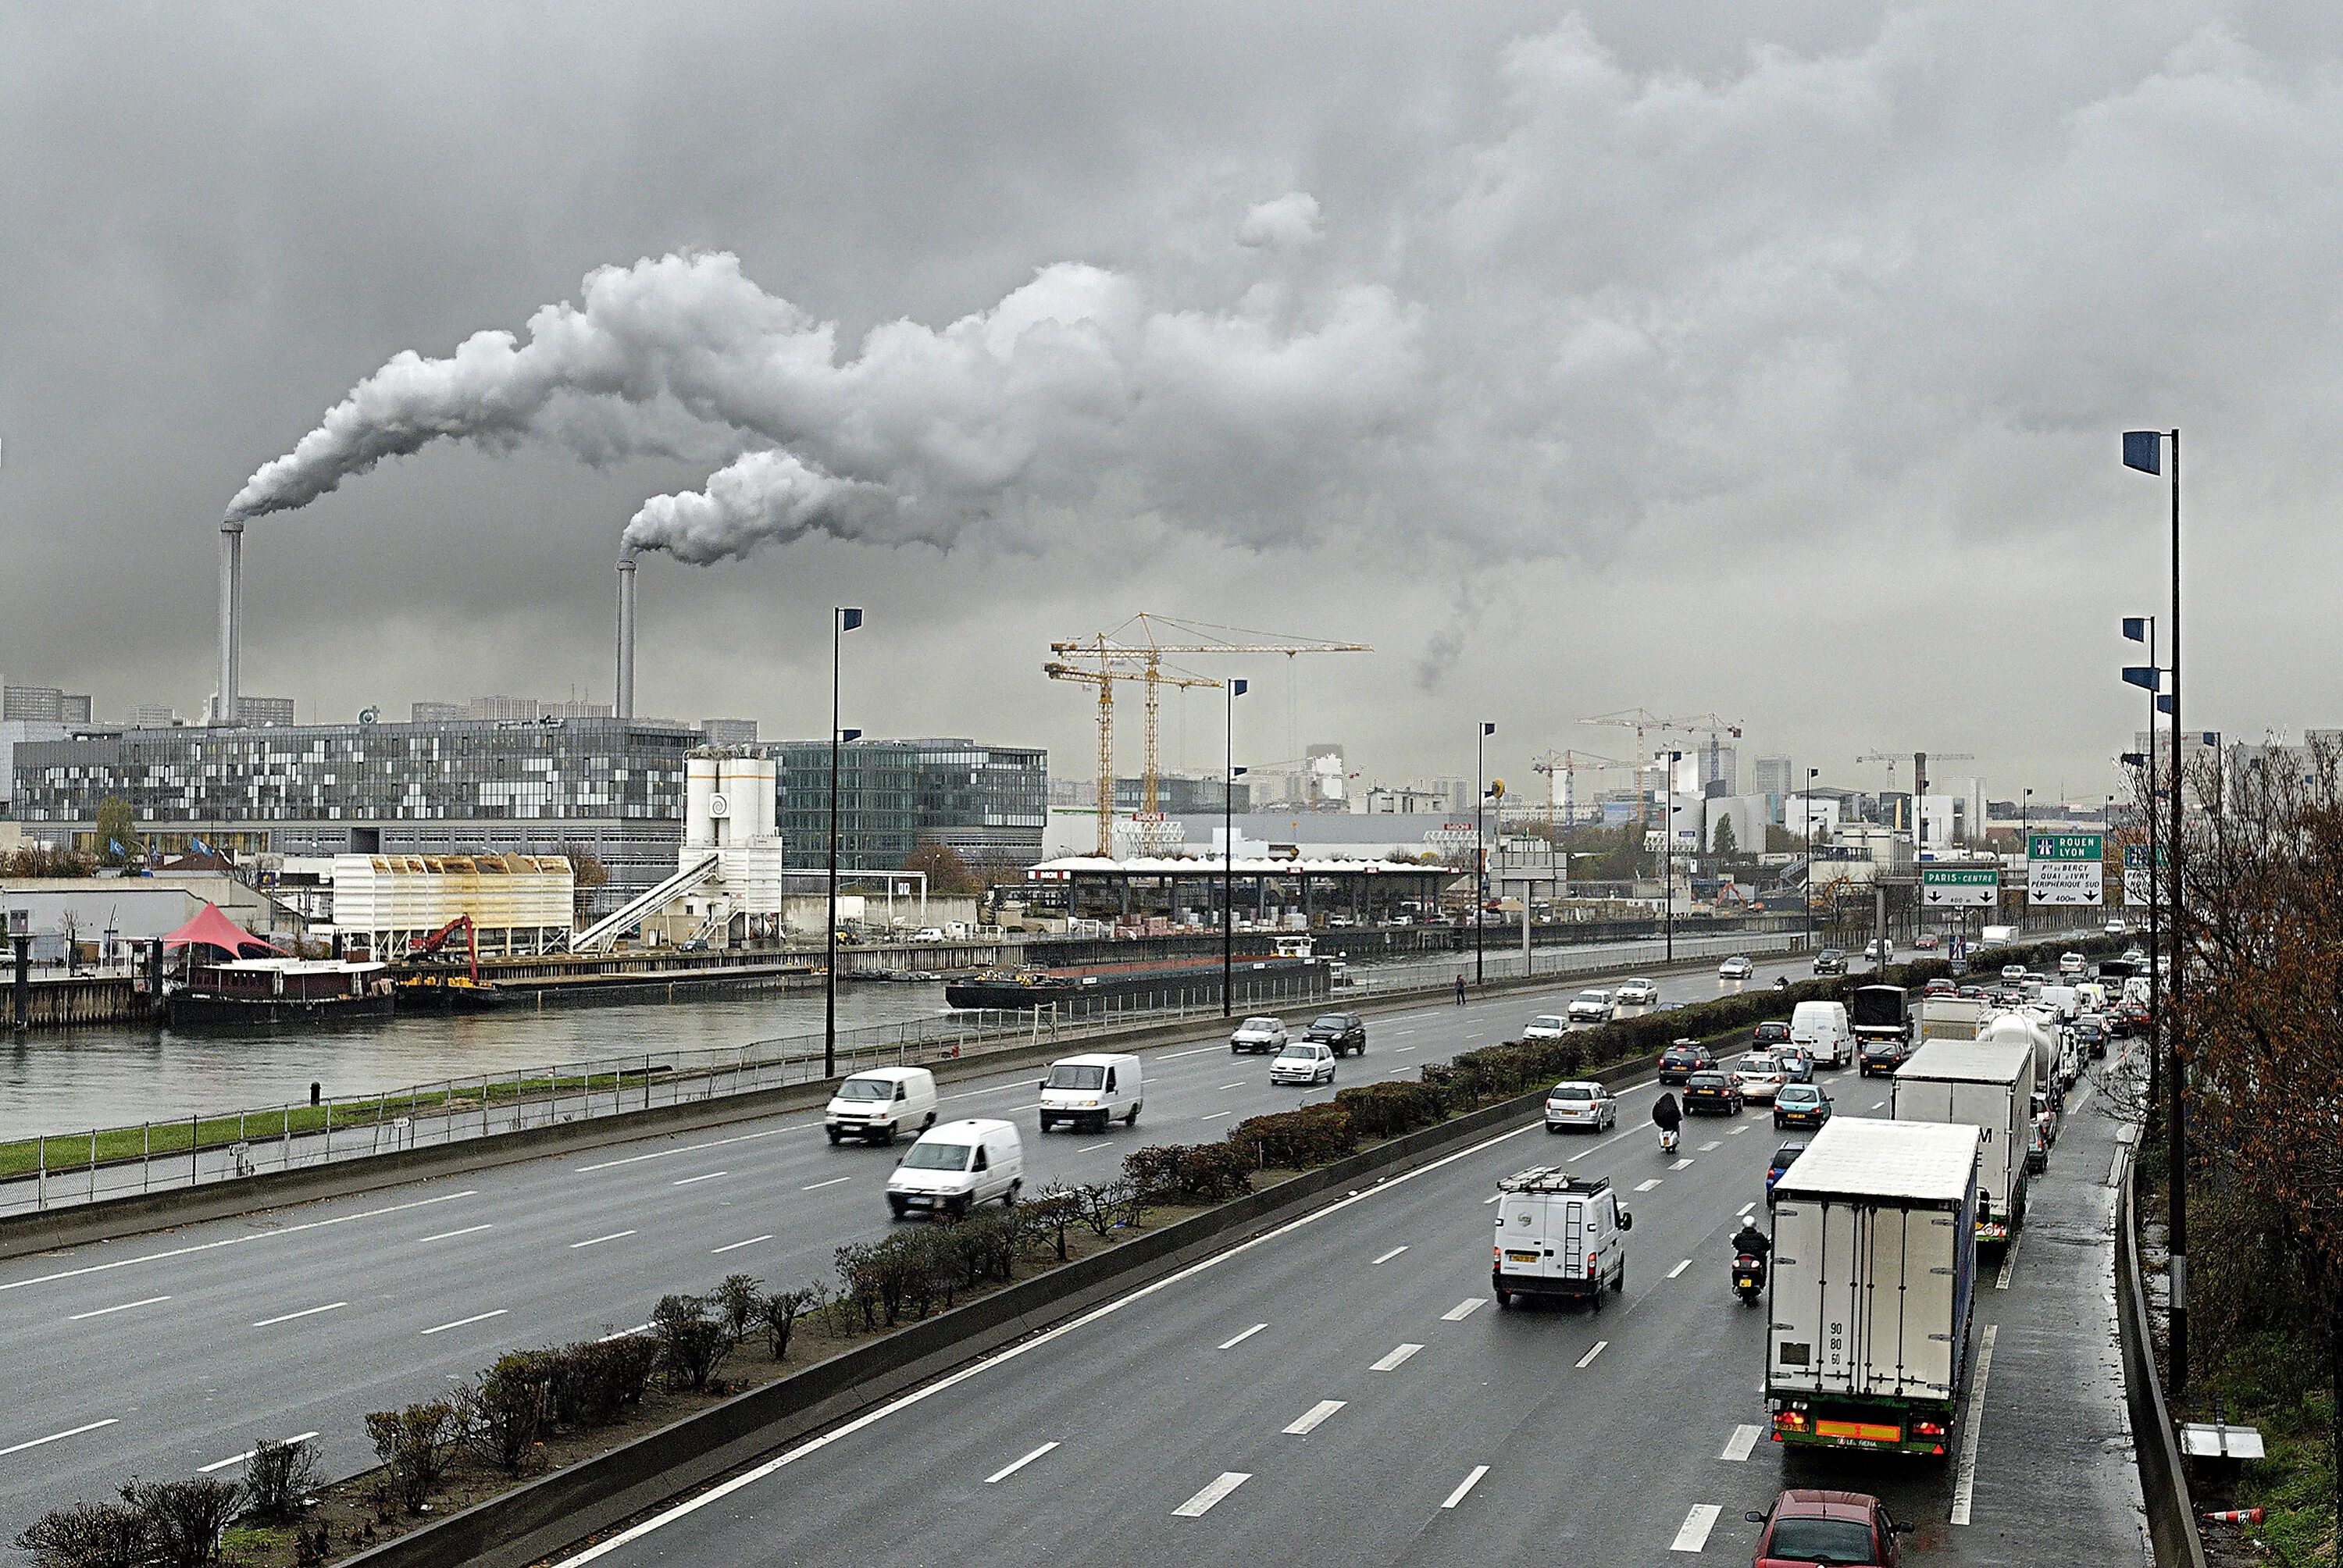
{"x": 1841, "y": 1529}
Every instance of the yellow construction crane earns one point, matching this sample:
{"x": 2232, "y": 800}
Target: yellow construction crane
{"x": 1125, "y": 654}
{"x": 1643, "y": 719}
{"x": 1569, "y": 764}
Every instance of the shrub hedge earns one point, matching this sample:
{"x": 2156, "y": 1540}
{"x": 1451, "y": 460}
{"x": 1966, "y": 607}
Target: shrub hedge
{"x": 1295, "y": 1140}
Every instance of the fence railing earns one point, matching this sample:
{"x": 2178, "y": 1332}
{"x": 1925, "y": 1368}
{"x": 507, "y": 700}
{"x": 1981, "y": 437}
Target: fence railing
{"x": 58, "y": 1170}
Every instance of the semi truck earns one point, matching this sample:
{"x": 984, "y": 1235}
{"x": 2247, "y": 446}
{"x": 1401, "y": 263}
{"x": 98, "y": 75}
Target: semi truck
{"x": 1874, "y": 1268}
{"x": 1989, "y": 1085}
{"x": 1951, "y": 1017}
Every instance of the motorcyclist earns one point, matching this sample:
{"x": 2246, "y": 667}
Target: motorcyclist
{"x": 1667, "y": 1116}
{"x": 1751, "y": 1242}
{"x": 1780, "y": 982}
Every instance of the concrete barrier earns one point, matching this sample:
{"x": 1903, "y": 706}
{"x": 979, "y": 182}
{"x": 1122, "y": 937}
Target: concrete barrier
{"x": 2171, "y": 1519}
{"x": 112, "y": 1218}
{"x": 552, "y": 1513}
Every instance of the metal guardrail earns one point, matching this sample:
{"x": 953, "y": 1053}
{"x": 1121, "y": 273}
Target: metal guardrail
{"x": 51, "y": 1172}
{"x": 2171, "y": 1519}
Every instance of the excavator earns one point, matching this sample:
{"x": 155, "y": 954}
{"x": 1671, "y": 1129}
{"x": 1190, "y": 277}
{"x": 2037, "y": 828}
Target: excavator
{"x": 428, "y": 976}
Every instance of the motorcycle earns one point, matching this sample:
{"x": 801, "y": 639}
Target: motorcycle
{"x": 1668, "y": 1139}
{"x": 1749, "y": 1278}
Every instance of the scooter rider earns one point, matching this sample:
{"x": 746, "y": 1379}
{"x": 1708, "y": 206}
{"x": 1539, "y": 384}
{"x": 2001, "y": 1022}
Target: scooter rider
{"x": 1750, "y": 1241}
{"x": 1667, "y": 1116}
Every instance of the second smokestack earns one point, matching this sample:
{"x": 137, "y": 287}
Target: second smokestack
{"x": 625, "y": 702}
{"x": 231, "y": 620}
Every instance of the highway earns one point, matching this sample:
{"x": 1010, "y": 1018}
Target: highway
{"x": 164, "y": 1353}
{"x": 1345, "y": 1391}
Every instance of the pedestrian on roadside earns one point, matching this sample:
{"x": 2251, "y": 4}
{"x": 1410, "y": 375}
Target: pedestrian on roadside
{"x": 1460, "y": 987}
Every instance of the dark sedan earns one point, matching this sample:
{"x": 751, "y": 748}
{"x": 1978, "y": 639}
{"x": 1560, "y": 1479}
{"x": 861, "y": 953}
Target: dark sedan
{"x": 1881, "y": 1058}
{"x": 1772, "y": 1033}
{"x": 1679, "y": 1062}
{"x": 1712, "y": 1092}
{"x": 1343, "y": 1033}
{"x": 1830, "y": 962}
{"x": 1783, "y": 1158}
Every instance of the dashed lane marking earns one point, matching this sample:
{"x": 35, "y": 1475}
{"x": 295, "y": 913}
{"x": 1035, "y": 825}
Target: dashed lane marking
{"x": 1964, "y": 1477}
{"x": 1394, "y": 1252}
{"x": 463, "y": 1323}
{"x": 1392, "y": 1362}
{"x": 1464, "y": 1487}
{"x": 1588, "y": 1359}
{"x": 304, "y": 1312}
{"x": 451, "y": 1235}
{"x": 1647, "y": 1186}
{"x": 1196, "y": 1507}
{"x": 60, "y": 1436}
{"x": 709, "y": 1176}
{"x": 736, "y": 1246}
{"x": 1692, "y": 1536}
{"x": 1680, "y": 1268}
{"x": 1239, "y": 1084}
{"x": 108, "y": 1311}
{"x": 1013, "y": 1466}
{"x": 1712, "y": 1143}
{"x": 1094, "y": 1148}
{"x": 1744, "y": 1438}
{"x": 236, "y": 1240}
{"x": 1232, "y": 1344}
{"x": 817, "y": 1186}
{"x": 1462, "y": 1310}
{"x": 1310, "y": 1420}
{"x": 696, "y": 1148}
{"x": 247, "y": 1453}
{"x": 1736, "y": 1132}
{"x": 598, "y": 1241}
{"x": 1212, "y": 1115}
{"x": 2008, "y": 1262}
{"x": 1681, "y": 1163}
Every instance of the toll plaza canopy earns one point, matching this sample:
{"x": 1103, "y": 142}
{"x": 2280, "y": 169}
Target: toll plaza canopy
{"x": 213, "y": 929}
{"x": 1266, "y": 887}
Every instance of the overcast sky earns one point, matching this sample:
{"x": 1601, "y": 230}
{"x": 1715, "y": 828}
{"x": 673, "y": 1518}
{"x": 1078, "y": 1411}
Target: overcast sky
{"x": 1762, "y": 360}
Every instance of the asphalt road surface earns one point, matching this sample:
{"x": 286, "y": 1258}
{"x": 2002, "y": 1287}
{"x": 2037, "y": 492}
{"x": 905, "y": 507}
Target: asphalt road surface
{"x": 1345, "y": 1391}
{"x": 160, "y": 1355}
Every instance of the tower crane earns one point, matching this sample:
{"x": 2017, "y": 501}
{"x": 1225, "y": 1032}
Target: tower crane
{"x": 1919, "y": 773}
{"x": 1643, "y": 719}
{"x": 1135, "y": 651}
{"x": 1568, "y": 764}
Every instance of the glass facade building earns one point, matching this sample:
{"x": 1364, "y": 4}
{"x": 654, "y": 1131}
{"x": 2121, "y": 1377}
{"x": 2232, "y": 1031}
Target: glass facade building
{"x": 987, "y": 802}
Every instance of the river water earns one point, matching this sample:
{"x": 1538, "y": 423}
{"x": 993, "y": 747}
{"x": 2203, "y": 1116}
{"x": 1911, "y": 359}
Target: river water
{"x": 75, "y": 1080}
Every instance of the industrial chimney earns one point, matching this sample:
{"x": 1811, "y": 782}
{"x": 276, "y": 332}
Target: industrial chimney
{"x": 625, "y": 693}
{"x": 231, "y": 616}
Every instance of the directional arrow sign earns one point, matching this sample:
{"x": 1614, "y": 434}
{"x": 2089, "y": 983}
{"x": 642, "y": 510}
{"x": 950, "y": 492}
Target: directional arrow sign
{"x": 2066, "y": 869}
{"x": 1960, "y": 887}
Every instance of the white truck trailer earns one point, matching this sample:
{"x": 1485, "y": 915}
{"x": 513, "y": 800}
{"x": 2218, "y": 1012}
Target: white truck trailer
{"x": 1990, "y": 1086}
{"x": 1952, "y": 1017}
{"x": 1874, "y": 1260}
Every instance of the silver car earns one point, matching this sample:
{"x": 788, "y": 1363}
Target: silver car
{"x": 1302, "y": 1061}
{"x": 1258, "y": 1034}
{"x": 1590, "y": 1007}
{"x": 1735, "y": 968}
{"x": 1580, "y": 1104}
{"x": 1636, "y": 992}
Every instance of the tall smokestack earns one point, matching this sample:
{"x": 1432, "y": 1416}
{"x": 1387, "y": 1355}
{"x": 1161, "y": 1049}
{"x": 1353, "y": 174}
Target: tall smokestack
{"x": 626, "y": 695}
{"x": 231, "y": 616}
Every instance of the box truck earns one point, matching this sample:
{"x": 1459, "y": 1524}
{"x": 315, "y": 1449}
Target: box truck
{"x": 1951, "y": 1017}
{"x": 1989, "y": 1085}
{"x": 1874, "y": 1260}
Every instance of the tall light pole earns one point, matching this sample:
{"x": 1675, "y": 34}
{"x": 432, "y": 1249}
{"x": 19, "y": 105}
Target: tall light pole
{"x": 1668, "y": 859}
{"x": 1807, "y": 809}
{"x": 2142, "y": 629}
{"x": 1230, "y": 771}
{"x": 842, "y": 619}
{"x": 2141, "y": 450}
{"x": 1480, "y": 855}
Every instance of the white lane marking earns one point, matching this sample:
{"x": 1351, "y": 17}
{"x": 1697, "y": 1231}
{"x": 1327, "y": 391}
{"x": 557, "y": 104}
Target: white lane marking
{"x": 1712, "y": 1143}
{"x": 1744, "y": 1438}
{"x": 304, "y": 1312}
{"x": 1013, "y": 1466}
{"x": 1232, "y": 1344}
{"x": 1464, "y": 1487}
{"x": 1196, "y": 1507}
{"x": 598, "y": 1241}
{"x": 1213, "y": 1116}
{"x": 714, "y": 1143}
{"x": 1746, "y": 1207}
{"x": 710, "y": 1176}
{"x": 736, "y": 1246}
{"x": 622, "y": 1334}
{"x": 1404, "y": 1050}
{"x": 1647, "y": 1186}
{"x": 2008, "y": 1262}
{"x": 1681, "y": 1163}
{"x": 1093, "y": 1147}
{"x": 815, "y": 1188}
{"x": 1392, "y": 1362}
{"x": 1693, "y": 1534}
{"x": 1680, "y": 1268}
{"x": 247, "y": 1453}
{"x": 1387, "y": 1257}
{"x": 1736, "y": 1132}
{"x": 1491, "y": 1198}
{"x": 1588, "y": 1359}
{"x": 451, "y": 1235}
{"x": 1461, "y": 1310}
{"x": 234, "y": 1241}
{"x": 1239, "y": 1084}
{"x": 1024, "y": 1347}
{"x": 58, "y": 1436}
{"x": 104, "y": 1312}
{"x": 1310, "y": 1420}
{"x": 475, "y": 1318}
{"x": 1964, "y": 1478}
{"x": 1176, "y": 1055}
{"x": 1878, "y": 1103}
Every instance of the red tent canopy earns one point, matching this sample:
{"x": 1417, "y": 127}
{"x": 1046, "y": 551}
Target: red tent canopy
{"x": 212, "y": 929}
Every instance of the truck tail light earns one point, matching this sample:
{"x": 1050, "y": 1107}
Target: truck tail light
{"x": 1789, "y": 1421}
{"x": 1927, "y": 1429}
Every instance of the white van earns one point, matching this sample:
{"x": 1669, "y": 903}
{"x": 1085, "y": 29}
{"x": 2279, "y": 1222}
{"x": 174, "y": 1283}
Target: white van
{"x": 955, "y": 1167}
{"x": 1092, "y": 1090}
{"x": 1559, "y": 1235}
{"x": 1820, "y": 1028}
{"x": 878, "y": 1104}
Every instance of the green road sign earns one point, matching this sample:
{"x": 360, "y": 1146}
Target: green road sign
{"x": 2065, "y": 846}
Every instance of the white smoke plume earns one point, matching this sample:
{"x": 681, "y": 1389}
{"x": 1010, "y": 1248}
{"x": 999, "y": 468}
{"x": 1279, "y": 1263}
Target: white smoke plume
{"x": 1075, "y": 384}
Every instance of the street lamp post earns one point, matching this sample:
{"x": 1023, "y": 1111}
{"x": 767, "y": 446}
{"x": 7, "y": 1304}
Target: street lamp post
{"x": 1807, "y": 809}
{"x": 1480, "y": 854}
{"x": 842, "y": 619}
{"x": 2142, "y": 629}
{"x": 1668, "y": 861}
{"x": 1230, "y": 771}
{"x": 2141, "y": 450}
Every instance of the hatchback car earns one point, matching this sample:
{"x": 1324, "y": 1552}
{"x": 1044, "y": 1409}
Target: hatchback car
{"x": 1258, "y": 1034}
{"x": 1800, "y": 1105}
{"x": 1830, "y": 962}
{"x": 1881, "y": 1058}
{"x": 1636, "y": 993}
{"x": 1683, "y": 1059}
{"x": 2012, "y": 973}
{"x": 1841, "y": 1529}
{"x": 1735, "y": 968}
{"x": 1713, "y": 1093}
{"x": 1590, "y": 1007}
{"x": 2070, "y": 963}
{"x": 1758, "y": 1075}
{"x": 1545, "y": 1026}
{"x": 1771, "y": 1035}
{"x": 1587, "y": 1105}
{"x": 1797, "y": 1063}
{"x": 1341, "y": 1032}
{"x": 1302, "y": 1061}
{"x": 1926, "y": 941}
{"x": 1783, "y": 1158}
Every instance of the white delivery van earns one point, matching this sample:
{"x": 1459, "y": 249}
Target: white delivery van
{"x": 1559, "y": 1235}
{"x": 2062, "y": 1000}
{"x": 1989, "y": 1087}
{"x": 880, "y": 1104}
{"x": 1091, "y": 1090}
{"x": 1821, "y": 1030}
{"x": 955, "y": 1167}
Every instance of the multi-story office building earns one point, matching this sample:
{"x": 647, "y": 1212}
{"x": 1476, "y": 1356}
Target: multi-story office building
{"x": 505, "y": 709}
{"x": 1179, "y": 794}
{"x": 1771, "y": 776}
{"x": 43, "y": 704}
{"x": 609, "y": 788}
{"x": 987, "y": 802}
{"x": 729, "y": 731}
{"x": 151, "y": 716}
